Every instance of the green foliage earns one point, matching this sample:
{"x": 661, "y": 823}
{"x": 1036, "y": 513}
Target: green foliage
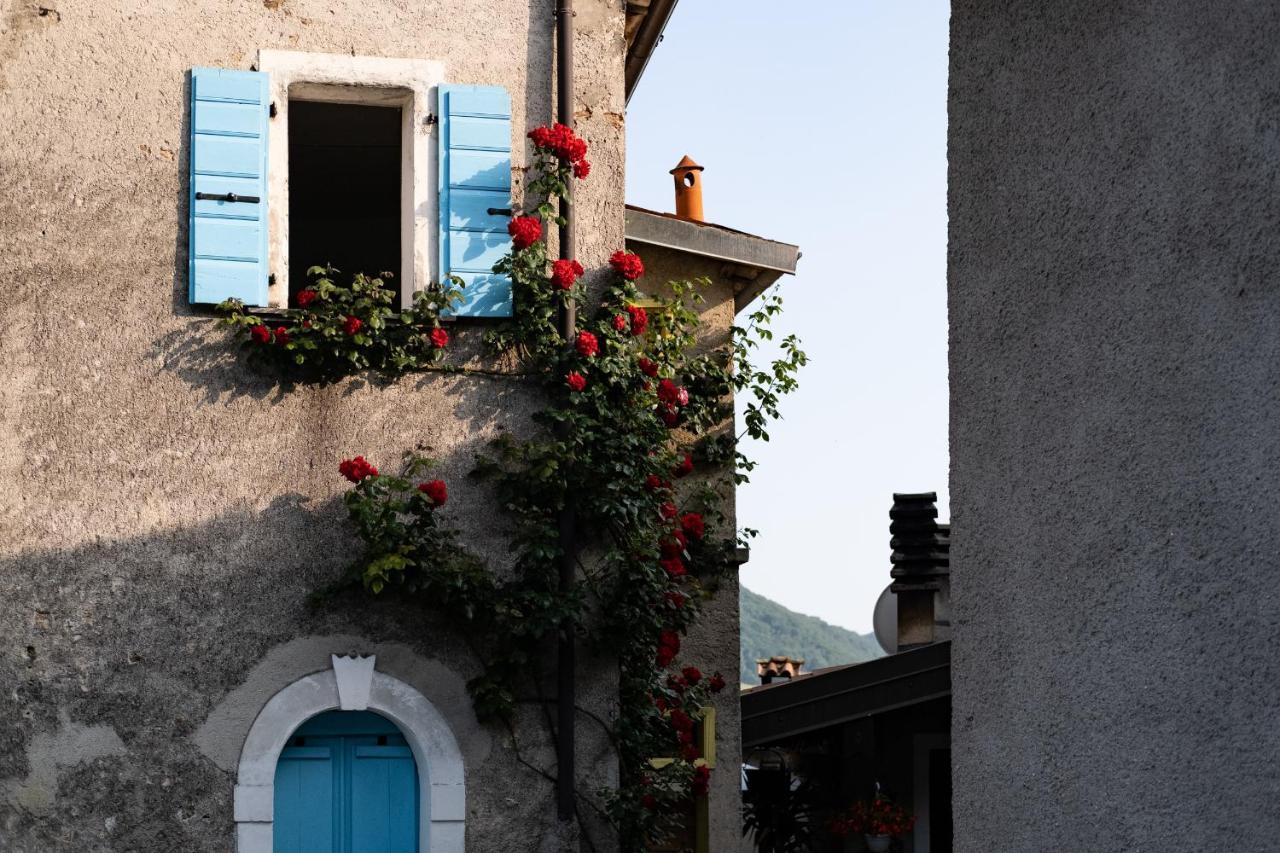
{"x": 770, "y": 629}
{"x": 346, "y": 329}
{"x": 628, "y": 401}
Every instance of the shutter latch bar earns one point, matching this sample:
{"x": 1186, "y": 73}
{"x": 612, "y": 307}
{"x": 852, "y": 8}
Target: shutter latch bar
{"x": 232, "y": 197}
{"x": 499, "y": 211}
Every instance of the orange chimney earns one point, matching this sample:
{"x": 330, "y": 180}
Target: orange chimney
{"x": 688, "y": 176}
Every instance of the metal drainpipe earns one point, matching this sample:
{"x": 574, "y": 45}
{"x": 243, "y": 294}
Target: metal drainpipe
{"x": 566, "y": 698}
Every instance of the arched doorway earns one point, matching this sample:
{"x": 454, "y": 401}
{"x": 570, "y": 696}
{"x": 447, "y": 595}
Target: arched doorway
{"x": 346, "y": 782}
{"x": 353, "y": 685}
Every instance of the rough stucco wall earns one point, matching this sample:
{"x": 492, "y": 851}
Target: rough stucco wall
{"x": 166, "y": 513}
{"x": 1114, "y": 425}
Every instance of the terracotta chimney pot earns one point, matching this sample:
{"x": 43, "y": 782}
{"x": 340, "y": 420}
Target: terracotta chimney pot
{"x": 688, "y": 178}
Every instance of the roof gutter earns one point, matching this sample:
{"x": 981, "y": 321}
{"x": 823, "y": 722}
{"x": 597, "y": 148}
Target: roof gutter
{"x": 655, "y": 21}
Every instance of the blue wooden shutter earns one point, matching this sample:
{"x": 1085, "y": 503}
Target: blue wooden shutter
{"x": 228, "y": 239}
{"x": 475, "y": 177}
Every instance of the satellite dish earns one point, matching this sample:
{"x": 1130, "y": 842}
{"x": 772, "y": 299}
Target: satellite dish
{"x": 885, "y": 621}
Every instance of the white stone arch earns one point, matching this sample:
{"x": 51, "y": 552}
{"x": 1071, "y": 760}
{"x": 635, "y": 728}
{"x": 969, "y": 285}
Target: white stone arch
{"x": 353, "y": 685}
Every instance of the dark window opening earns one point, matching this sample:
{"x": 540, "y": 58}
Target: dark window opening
{"x": 344, "y": 190}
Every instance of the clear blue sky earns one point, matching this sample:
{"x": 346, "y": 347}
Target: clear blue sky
{"x": 823, "y": 124}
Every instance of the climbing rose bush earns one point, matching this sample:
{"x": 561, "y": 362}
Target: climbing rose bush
{"x": 342, "y": 326}
{"x": 630, "y": 410}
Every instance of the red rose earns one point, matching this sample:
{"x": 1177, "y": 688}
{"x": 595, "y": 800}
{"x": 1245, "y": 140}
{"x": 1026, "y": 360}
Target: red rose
{"x": 665, "y": 655}
{"x": 435, "y": 491}
{"x": 674, "y": 567}
{"x": 680, "y": 721}
{"x": 693, "y": 525}
{"x": 668, "y": 510}
{"x": 691, "y": 674}
{"x": 357, "y": 469}
{"x": 690, "y": 752}
{"x": 575, "y": 380}
{"x": 639, "y": 319}
{"x": 627, "y": 264}
{"x": 669, "y": 415}
{"x": 684, "y": 466}
{"x": 581, "y": 169}
{"x": 524, "y": 231}
{"x": 353, "y": 325}
{"x": 306, "y": 324}
{"x": 675, "y": 599}
{"x": 561, "y": 141}
{"x": 306, "y": 297}
{"x": 652, "y": 482}
{"x": 701, "y": 780}
{"x": 660, "y": 703}
{"x": 650, "y": 802}
{"x": 439, "y": 338}
{"x": 586, "y": 344}
{"x": 672, "y": 394}
{"x": 716, "y": 683}
{"x": 282, "y": 335}
{"x": 668, "y": 644}
{"x": 261, "y": 334}
{"x": 647, "y": 367}
{"x": 671, "y": 547}
{"x": 564, "y": 273}
{"x": 619, "y": 323}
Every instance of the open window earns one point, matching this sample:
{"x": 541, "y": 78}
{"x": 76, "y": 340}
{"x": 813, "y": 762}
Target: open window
{"x": 346, "y": 167}
{"x": 370, "y": 164}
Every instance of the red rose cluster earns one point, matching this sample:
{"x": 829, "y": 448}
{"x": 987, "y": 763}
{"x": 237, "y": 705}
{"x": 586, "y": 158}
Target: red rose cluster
{"x": 306, "y": 297}
{"x": 670, "y": 398}
{"x": 352, "y": 325}
{"x": 576, "y": 381}
{"x": 639, "y": 320}
{"x": 693, "y": 525}
{"x": 701, "y": 780}
{"x": 668, "y": 647}
{"x": 565, "y": 144}
{"x": 439, "y": 338}
{"x": 260, "y": 334}
{"x": 647, "y": 367}
{"x": 716, "y": 683}
{"x": 586, "y": 345}
{"x": 524, "y": 231}
{"x": 565, "y": 272}
{"x": 436, "y": 492}
{"x": 684, "y": 467}
{"x": 357, "y": 469}
{"x": 627, "y": 264}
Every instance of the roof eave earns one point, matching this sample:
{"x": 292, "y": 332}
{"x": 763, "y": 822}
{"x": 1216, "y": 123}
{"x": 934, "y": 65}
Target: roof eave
{"x": 653, "y": 19}
{"x": 753, "y": 263}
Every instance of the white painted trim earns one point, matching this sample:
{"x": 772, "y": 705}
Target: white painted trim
{"x": 408, "y": 83}
{"x": 441, "y": 775}
{"x": 922, "y": 745}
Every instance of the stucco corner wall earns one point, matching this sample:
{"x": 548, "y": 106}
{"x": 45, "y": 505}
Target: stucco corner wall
{"x": 1115, "y": 425}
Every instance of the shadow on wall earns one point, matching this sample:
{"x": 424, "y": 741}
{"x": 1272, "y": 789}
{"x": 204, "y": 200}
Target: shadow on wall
{"x": 137, "y": 640}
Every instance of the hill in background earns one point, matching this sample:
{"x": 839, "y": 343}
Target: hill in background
{"x": 770, "y": 629}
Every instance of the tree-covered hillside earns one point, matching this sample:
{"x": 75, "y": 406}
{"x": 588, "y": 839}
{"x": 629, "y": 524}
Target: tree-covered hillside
{"x": 770, "y": 629}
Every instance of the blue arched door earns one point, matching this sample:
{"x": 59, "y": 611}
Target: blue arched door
{"x": 346, "y": 783}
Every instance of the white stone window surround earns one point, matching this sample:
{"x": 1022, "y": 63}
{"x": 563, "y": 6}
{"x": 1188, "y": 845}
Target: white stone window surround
{"x": 353, "y": 684}
{"x": 373, "y": 81}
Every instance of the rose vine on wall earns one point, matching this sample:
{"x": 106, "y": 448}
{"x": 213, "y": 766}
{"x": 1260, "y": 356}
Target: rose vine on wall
{"x": 632, "y": 408}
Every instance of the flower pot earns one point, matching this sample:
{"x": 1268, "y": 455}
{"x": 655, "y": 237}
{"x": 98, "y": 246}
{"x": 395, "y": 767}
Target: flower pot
{"x": 878, "y": 843}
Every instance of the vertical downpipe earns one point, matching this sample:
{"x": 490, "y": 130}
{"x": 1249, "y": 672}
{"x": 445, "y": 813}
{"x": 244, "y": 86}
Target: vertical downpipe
{"x": 566, "y": 698}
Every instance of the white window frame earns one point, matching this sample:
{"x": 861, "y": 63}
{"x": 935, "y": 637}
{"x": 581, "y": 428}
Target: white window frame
{"x": 372, "y": 81}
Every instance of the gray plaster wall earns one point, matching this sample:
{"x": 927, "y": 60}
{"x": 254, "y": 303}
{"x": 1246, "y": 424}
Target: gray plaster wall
{"x": 165, "y": 513}
{"x": 1115, "y": 425}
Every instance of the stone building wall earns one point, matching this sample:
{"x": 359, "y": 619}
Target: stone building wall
{"x": 1115, "y": 425}
{"x": 167, "y": 513}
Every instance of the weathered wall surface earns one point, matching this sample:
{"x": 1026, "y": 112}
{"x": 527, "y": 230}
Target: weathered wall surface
{"x": 166, "y": 513}
{"x": 1115, "y": 425}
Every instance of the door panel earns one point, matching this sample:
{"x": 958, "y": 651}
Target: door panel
{"x": 348, "y": 783}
